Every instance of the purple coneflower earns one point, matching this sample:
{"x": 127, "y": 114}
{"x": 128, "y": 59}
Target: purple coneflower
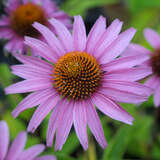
{"x": 79, "y": 73}
{"x": 21, "y": 14}
{"x": 153, "y": 61}
{"x": 16, "y": 150}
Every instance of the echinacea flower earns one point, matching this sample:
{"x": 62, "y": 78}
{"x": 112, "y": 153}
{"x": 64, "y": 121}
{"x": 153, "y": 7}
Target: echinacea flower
{"x": 21, "y": 14}
{"x": 153, "y": 61}
{"x": 16, "y": 150}
{"x": 79, "y": 72}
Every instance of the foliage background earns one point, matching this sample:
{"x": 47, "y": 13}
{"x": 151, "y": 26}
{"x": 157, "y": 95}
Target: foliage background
{"x": 139, "y": 141}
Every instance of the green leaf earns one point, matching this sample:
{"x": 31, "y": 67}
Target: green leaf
{"x": 138, "y": 5}
{"x": 142, "y": 20}
{"x": 75, "y": 7}
{"x": 118, "y": 144}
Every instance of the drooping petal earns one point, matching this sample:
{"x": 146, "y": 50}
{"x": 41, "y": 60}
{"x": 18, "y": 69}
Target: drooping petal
{"x": 42, "y": 48}
{"x": 122, "y": 96}
{"x": 29, "y": 72}
{"x": 32, "y": 152}
{"x": 42, "y": 111}
{"x": 152, "y": 37}
{"x": 95, "y": 124}
{"x": 132, "y": 87}
{"x": 79, "y": 34}
{"x": 50, "y": 38}
{"x": 53, "y": 122}
{"x": 28, "y": 86}
{"x": 34, "y": 61}
{"x": 118, "y": 46}
{"x": 80, "y": 123}
{"x": 33, "y": 100}
{"x": 64, "y": 125}
{"x": 108, "y": 37}
{"x": 4, "y": 139}
{"x": 111, "y": 109}
{"x": 17, "y": 146}
{"x": 129, "y": 74}
{"x": 126, "y": 62}
{"x": 95, "y": 34}
{"x": 157, "y": 97}
{"x": 63, "y": 34}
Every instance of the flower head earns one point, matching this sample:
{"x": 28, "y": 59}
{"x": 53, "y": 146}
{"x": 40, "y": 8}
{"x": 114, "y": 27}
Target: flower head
{"x": 152, "y": 62}
{"x": 79, "y": 72}
{"x": 21, "y": 14}
{"x": 16, "y": 150}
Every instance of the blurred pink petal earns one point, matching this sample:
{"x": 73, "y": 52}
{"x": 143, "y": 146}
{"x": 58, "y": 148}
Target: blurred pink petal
{"x": 17, "y": 146}
{"x": 16, "y": 28}
{"x": 152, "y": 37}
{"x": 4, "y": 139}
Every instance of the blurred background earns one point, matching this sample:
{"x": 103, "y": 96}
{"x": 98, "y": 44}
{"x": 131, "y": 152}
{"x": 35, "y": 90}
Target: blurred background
{"x": 139, "y": 141}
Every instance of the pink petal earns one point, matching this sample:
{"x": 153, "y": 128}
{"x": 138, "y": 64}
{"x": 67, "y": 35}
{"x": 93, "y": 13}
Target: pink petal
{"x": 60, "y": 15}
{"x": 29, "y": 86}
{"x": 26, "y": 1}
{"x": 15, "y": 45}
{"x": 129, "y": 74}
{"x": 6, "y": 33}
{"x": 34, "y": 61}
{"x": 32, "y": 152}
{"x": 64, "y": 124}
{"x": 152, "y": 37}
{"x": 42, "y": 111}
{"x": 79, "y": 34}
{"x": 122, "y": 96}
{"x": 95, "y": 34}
{"x": 132, "y": 87}
{"x": 17, "y": 146}
{"x": 111, "y": 109}
{"x": 49, "y": 6}
{"x": 32, "y": 100}
{"x": 95, "y": 124}
{"x": 153, "y": 82}
{"x": 4, "y": 139}
{"x": 63, "y": 34}
{"x": 53, "y": 122}
{"x": 12, "y": 5}
{"x": 108, "y": 37}
{"x": 29, "y": 72}
{"x": 126, "y": 62}
{"x": 157, "y": 97}
{"x": 46, "y": 158}
{"x": 4, "y": 21}
{"x": 134, "y": 49}
{"x": 80, "y": 123}
{"x": 118, "y": 46}
{"x": 50, "y": 39}
{"x": 42, "y": 48}
{"x": 10, "y": 46}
